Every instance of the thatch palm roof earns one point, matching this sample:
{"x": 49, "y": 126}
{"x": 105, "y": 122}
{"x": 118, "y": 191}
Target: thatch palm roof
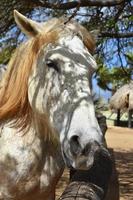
{"x": 123, "y": 98}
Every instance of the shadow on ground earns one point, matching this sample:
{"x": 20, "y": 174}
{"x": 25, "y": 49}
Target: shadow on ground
{"x": 124, "y": 164}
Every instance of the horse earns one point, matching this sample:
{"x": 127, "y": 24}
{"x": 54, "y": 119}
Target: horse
{"x": 47, "y": 115}
{"x": 2, "y": 71}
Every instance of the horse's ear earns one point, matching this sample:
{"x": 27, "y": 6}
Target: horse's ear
{"x": 29, "y": 27}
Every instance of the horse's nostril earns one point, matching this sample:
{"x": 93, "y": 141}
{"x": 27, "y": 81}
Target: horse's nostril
{"x": 87, "y": 149}
{"x": 91, "y": 148}
{"x": 75, "y": 146}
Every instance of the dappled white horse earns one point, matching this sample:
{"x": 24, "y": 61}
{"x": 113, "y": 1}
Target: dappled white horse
{"x": 2, "y": 71}
{"x": 46, "y": 109}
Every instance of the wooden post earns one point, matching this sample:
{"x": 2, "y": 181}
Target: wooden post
{"x": 118, "y": 117}
{"x": 130, "y": 119}
{"x": 91, "y": 184}
{"x": 82, "y": 191}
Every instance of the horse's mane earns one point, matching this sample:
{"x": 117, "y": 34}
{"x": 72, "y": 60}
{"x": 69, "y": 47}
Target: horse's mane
{"x": 14, "y": 104}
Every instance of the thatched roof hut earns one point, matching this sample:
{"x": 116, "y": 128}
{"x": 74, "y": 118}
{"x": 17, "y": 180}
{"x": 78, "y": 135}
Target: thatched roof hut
{"x": 123, "y": 98}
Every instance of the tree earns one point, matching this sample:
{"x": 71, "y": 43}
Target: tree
{"x": 113, "y": 18}
{"x": 112, "y": 78}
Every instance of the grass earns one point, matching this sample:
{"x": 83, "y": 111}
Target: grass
{"x": 112, "y": 117}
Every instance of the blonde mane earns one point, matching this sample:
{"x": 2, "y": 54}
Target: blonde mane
{"x": 14, "y": 104}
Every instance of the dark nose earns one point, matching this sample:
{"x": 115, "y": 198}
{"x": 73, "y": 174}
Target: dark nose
{"x": 75, "y": 146}
{"x": 76, "y": 149}
{"x": 91, "y": 148}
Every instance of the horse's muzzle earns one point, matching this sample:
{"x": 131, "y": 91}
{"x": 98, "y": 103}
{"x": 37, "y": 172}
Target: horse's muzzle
{"x": 83, "y": 158}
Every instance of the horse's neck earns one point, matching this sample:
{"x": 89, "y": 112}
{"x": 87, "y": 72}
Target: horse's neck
{"x": 45, "y": 131}
{"x": 7, "y": 132}
{"x": 39, "y": 136}
{"x": 39, "y": 128}
{"x": 31, "y": 157}
{"x": 51, "y": 145}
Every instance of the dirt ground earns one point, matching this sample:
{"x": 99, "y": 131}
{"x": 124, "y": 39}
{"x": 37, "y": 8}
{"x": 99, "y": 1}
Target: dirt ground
{"x": 121, "y": 140}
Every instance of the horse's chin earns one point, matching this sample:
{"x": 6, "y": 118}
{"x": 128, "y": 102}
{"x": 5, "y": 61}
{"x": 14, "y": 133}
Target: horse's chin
{"x": 79, "y": 163}
{"x": 83, "y": 163}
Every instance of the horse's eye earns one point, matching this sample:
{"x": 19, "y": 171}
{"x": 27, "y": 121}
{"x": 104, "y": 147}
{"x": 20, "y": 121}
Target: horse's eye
{"x": 52, "y": 64}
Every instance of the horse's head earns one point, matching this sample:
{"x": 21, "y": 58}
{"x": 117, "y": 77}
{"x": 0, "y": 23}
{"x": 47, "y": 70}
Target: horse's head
{"x": 59, "y": 85}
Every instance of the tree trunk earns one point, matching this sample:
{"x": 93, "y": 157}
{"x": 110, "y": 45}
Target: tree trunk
{"x": 130, "y": 119}
{"x": 118, "y": 117}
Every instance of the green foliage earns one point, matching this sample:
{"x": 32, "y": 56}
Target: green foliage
{"x": 110, "y": 78}
{"x": 108, "y": 20}
{"x": 5, "y": 55}
{"x": 100, "y": 104}
{"x": 130, "y": 58}
{"x": 103, "y": 77}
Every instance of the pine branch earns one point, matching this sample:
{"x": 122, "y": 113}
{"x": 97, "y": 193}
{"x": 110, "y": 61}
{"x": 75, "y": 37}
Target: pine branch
{"x": 74, "y": 4}
{"x": 117, "y": 35}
